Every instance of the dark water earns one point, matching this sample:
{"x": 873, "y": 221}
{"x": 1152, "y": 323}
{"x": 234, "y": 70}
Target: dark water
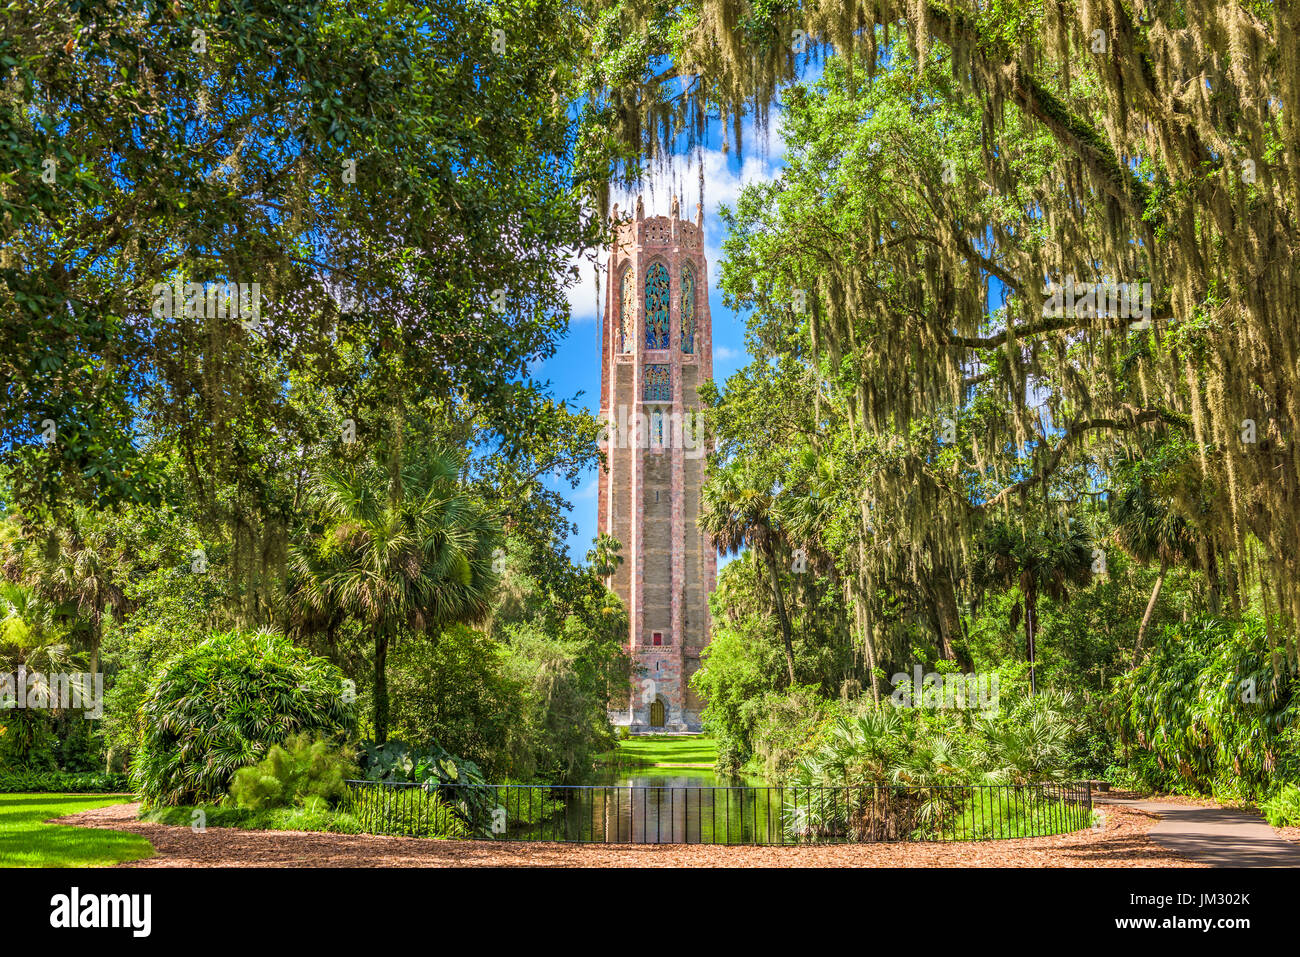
{"x": 671, "y": 805}
{"x": 690, "y": 806}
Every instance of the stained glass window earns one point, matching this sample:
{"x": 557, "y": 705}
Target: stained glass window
{"x": 627, "y": 311}
{"x": 657, "y": 384}
{"x": 688, "y": 309}
{"x": 656, "y": 306}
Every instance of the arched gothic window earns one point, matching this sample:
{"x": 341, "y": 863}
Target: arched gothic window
{"x": 656, "y": 306}
{"x": 688, "y": 309}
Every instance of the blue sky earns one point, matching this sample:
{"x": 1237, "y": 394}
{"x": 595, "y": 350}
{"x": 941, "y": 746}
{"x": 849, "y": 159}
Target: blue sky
{"x": 575, "y": 368}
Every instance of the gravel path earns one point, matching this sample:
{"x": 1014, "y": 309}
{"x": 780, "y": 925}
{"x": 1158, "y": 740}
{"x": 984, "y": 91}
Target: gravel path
{"x": 1122, "y": 842}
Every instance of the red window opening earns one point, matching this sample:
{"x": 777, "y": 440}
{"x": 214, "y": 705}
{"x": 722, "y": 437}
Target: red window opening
{"x": 657, "y": 638}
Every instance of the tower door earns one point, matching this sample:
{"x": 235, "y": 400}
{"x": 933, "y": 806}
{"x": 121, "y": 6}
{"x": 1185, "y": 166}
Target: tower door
{"x": 657, "y": 714}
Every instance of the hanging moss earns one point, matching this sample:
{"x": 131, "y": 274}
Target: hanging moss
{"x": 1172, "y": 159}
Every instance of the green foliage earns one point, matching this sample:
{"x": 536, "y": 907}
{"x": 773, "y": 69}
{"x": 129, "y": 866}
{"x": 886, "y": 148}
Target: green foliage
{"x": 1283, "y": 808}
{"x": 292, "y": 774}
{"x": 399, "y": 761}
{"x": 742, "y": 677}
{"x": 1215, "y": 707}
{"x": 254, "y": 172}
{"x": 62, "y": 782}
{"x": 565, "y": 674}
{"x": 1025, "y": 742}
{"x": 313, "y": 815}
{"x": 27, "y": 740}
{"x": 424, "y": 811}
{"x": 565, "y": 637}
{"x": 787, "y": 726}
{"x": 451, "y": 788}
{"x": 219, "y": 706}
{"x": 527, "y": 805}
{"x": 394, "y": 548}
{"x": 454, "y": 687}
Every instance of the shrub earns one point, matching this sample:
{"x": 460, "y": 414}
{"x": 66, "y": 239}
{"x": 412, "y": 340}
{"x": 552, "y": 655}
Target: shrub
{"x": 61, "y": 782}
{"x": 434, "y": 766}
{"x": 27, "y": 740}
{"x": 218, "y": 706}
{"x": 1023, "y": 743}
{"x": 1216, "y": 709}
{"x": 789, "y": 727}
{"x": 313, "y": 817}
{"x": 416, "y": 814}
{"x": 290, "y": 775}
{"x": 399, "y": 761}
{"x": 453, "y": 687}
{"x": 1283, "y": 808}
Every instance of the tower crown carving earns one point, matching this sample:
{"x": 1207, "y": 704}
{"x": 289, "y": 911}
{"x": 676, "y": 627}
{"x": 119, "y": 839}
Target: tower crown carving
{"x": 657, "y": 231}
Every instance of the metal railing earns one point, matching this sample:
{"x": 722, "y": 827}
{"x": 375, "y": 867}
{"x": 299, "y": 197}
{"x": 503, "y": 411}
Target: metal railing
{"x": 741, "y": 814}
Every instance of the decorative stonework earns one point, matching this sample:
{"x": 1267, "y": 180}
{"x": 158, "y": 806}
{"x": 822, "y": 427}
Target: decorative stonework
{"x": 657, "y": 352}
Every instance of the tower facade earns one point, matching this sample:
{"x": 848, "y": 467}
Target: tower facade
{"x": 657, "y": 347}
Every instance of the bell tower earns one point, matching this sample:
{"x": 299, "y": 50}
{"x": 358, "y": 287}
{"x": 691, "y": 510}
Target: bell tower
{"x": 657, "y": 347}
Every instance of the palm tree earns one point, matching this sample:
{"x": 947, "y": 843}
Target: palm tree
{"x": 77, "y": 571}
{"x": 1044, "y": 560}
{"x": 29, "y": 639}
{"x": 1148, "y": 529}
{"x": 396, "y": 548}
{"x": 31, "y": 649}
{"x": 605, "y": 558}
{"x": 736, "y": 513}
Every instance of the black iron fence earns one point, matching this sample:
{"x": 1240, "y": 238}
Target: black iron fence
{"x": 743, "y": 814}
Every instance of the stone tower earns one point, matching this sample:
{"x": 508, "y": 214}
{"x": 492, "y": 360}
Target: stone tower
{"x": 657, "y": 347}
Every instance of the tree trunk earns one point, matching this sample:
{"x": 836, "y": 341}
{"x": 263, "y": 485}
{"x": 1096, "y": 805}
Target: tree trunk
{"x": 860, "y": 603}
{"x": 1031, "y": 627}
{"x": 946, "y": 615}
{"x": 1212, "y": 580}
{"x": 95, "y": 632}
{"x": 381, "y": 686}
{"x": 861, "y": 614}
{"x": 1151, "y": 607}
{"x": 780, "y": 614}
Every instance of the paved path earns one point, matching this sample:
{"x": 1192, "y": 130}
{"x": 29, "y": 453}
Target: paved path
{"x": 1220, "y": 837}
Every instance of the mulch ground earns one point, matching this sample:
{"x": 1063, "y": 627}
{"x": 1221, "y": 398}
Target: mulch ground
{"x": 1288, "y": 833}
{"x": 1122, "y": 842}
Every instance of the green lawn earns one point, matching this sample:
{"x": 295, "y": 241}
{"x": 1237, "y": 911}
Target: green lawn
{"x": 664, "y": 749}
{"x": 26, "y": 842}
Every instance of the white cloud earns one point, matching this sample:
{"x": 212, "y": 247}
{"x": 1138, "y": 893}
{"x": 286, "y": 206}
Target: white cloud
{"x": 726, "y": 354}
{"x": 722, "y": 186}
{"x": 582, "y": 294}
